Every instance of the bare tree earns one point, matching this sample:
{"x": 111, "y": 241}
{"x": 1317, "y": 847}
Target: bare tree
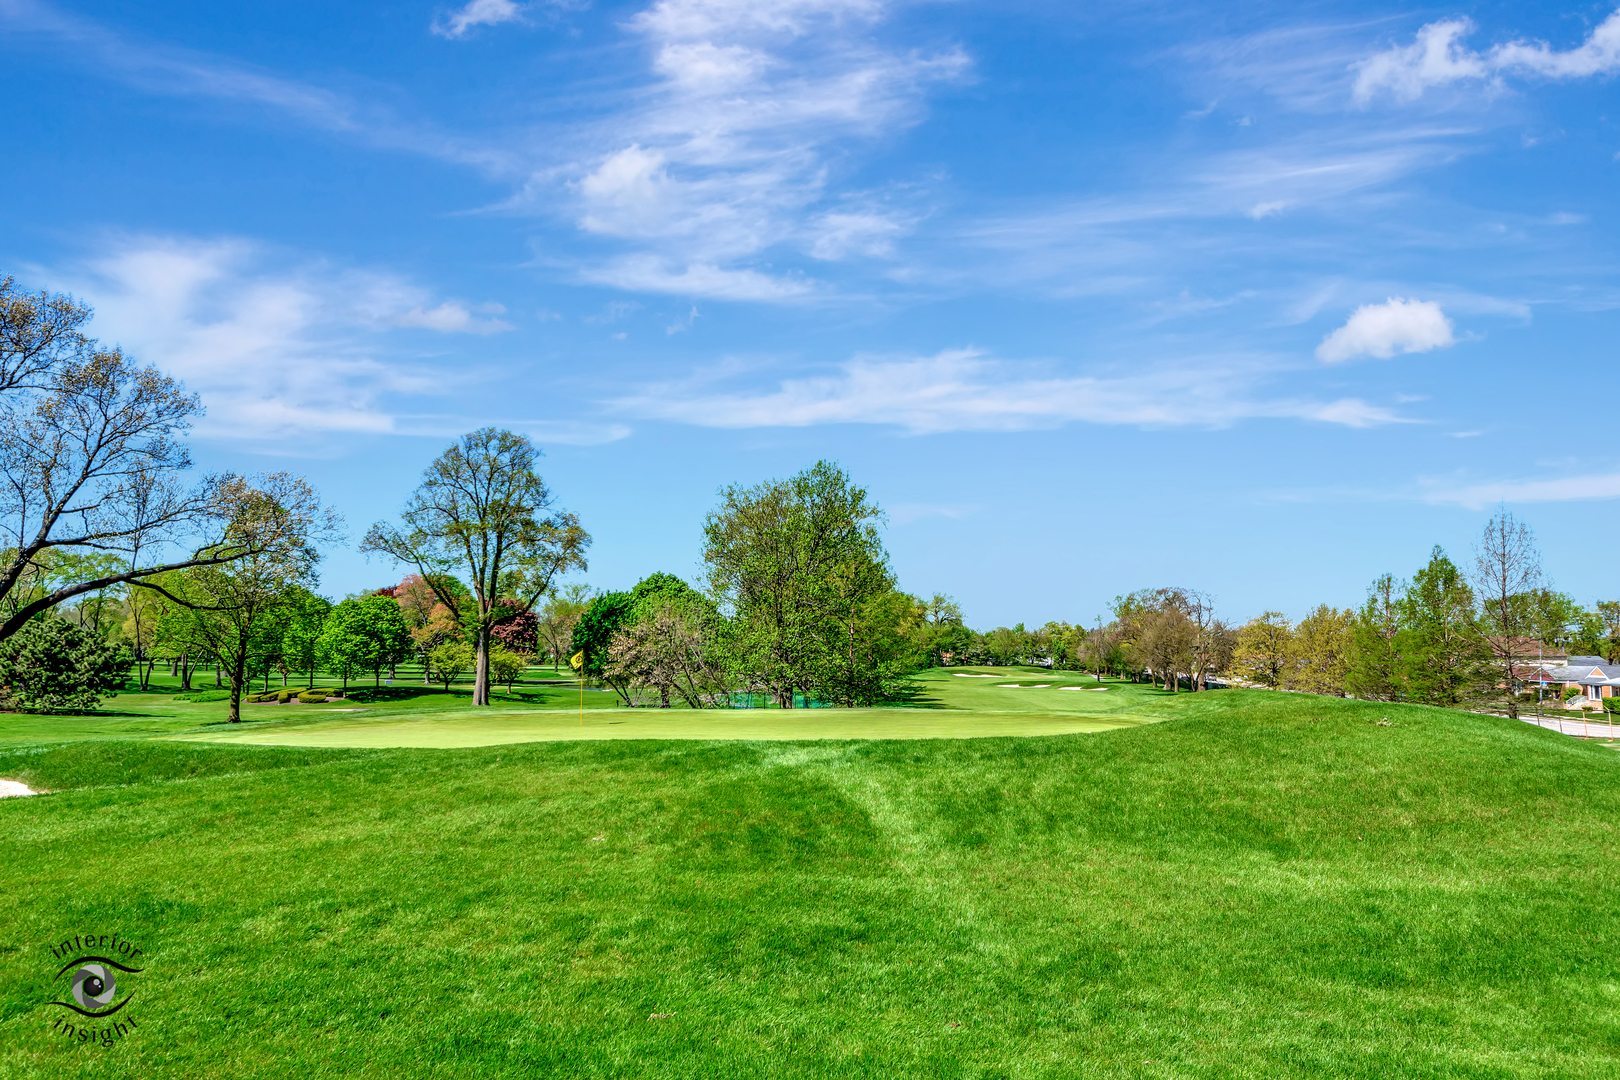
{"x": 481, "y": 509}
{"x": 1507, "y": 567}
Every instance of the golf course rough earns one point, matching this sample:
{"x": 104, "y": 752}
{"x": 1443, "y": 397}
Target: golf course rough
{"x": 1257, "y": 884}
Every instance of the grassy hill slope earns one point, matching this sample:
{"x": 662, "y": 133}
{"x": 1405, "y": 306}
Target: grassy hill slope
{"x": 1260, "y": 885}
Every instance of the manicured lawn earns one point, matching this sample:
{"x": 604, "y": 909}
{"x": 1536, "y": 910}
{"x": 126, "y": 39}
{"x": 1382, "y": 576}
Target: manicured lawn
{"x": 1257, "y": 885}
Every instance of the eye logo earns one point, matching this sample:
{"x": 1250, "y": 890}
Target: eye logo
{"x": 94, "y": 986}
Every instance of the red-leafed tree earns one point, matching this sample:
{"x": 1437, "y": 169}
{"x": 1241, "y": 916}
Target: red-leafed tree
{"x": 518, "y": 630}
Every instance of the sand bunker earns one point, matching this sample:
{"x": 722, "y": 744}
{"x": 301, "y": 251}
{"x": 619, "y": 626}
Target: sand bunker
{"x": 9, "y": 788}
{"x": 1021, "y": 686}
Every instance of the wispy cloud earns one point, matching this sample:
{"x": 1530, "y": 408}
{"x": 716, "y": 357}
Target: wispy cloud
{"x": 1559, "y": 489}
{"x": 274, "y": 349}
{"x": 967, "y": 390}
{"x": 169, "y": 70}
{"x": 726, "y": 154}
{"x": 1438, "y": 57}
{"x": 477, "y": 13}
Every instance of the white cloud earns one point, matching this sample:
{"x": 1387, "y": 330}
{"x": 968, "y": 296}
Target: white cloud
{"x": 1565, "y": 489}
{"x": 649, "y": 273}
{"x": 965, "y": 390}
{"x": 274, "y": 351}
{"x": 1437, "y": 57}
{"x": 453, "y": 317}
{"x": 842, "y": 233}
{"x": 725, "y": 155}
{"x": 477, "y": 13}
{"x": 1382, "y": 330}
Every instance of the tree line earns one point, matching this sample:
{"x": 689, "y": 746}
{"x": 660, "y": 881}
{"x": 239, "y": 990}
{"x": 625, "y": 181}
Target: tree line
{"x": 113, "y": 562}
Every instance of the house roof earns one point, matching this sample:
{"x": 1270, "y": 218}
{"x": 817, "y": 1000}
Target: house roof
{"x": 1585, "y": 670}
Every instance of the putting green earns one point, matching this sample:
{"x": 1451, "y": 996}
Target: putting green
{"x": 495, "y": 727}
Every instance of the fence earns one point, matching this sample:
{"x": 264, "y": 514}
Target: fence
{"x": 767, "y": 701}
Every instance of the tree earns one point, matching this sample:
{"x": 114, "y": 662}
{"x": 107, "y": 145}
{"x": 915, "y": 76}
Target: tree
{"x": 558, "y": 618}
{"x": 797, "y": 565}
{"x": 1506, "y": 567}
{"x": 142, "y": 609}
{"x": 1264, "y": 647}
{"x": 227, "y": 606}
{"x": 939, "y": 632}
{"x": 305, "y": 615}
{"x": 670, "y": 650}
{"x": 1213, "y": 642}
{"x": 593, "y": 637}
{"x": 506, "y": 667}
{"x": 1319, "y": 658}
{"x": 51, "y": 665}
{"x": 518, "y": 630}
{"x": 1165, "y": 641}
{"x": 481, "y": 508}
{"x": 450, "y": 659}
{"x": 1374, "y": 667}
{"x": 365, "y": 633}
{"x": 1441, "y": 647}
{"x": 90, "y": 462}
{"x": 1609, "y": 612}
{"x": 1105, "y": 648}
{"x": 1553, "y": 618}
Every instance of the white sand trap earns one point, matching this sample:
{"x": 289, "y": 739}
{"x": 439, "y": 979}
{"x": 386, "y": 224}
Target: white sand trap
{"x": 1021, "y": 686}
{"x": 965, "y": 675}
{"x": 9, "y": 788}
{"x": 1087, "y": 689}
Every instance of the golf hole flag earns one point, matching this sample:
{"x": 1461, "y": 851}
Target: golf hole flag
{"x": 577, "y": 661}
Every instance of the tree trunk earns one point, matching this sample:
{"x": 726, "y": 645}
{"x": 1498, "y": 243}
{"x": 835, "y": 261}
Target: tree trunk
{"x": 238, "y": 676}
{"x": 185, "y": 671}
{"x": 481, "y": 671}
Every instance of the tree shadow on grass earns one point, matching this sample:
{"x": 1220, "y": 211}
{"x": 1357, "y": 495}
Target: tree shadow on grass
{"x": 912, "y": 695}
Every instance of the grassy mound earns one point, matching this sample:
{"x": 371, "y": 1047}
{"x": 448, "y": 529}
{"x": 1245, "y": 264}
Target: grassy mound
{"x": 1261, "y": 885}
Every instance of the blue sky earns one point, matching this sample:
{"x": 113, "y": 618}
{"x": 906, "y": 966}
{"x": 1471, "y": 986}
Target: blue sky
{"x": 1092, "y": 297}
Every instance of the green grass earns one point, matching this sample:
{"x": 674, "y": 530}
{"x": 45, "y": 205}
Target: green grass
{"x": 1257, "y": 885}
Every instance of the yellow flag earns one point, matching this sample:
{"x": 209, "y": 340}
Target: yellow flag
{"x": 577, "y": 661}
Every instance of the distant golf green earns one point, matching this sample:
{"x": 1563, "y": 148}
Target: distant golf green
{"x": 1257, "y": 884}
{"x": 962, "y": 703}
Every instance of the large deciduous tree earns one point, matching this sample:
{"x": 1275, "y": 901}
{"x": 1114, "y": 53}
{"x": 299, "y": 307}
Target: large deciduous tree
{"x": 1319, "y": 654}
{"x": 366, "y": 633}
{"x": 90, "y": 462}
{"x": 799, "y": 567}
{"x": 482, "y": 510}
{"x": 1264, "y": 649}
